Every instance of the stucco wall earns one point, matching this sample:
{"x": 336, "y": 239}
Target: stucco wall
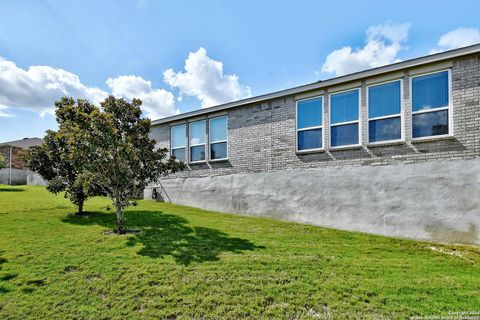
{"x": 436, "y": 201}
{"x": 19, "y": 176}
{"x": 34, "y": 179}
{"x": 417, "y": 189}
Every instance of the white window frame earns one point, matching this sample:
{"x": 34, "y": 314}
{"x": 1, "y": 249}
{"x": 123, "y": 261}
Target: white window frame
{"x": 449, "y": 107}
{"x": 222, "y": 141}
{"x": 345, "y": 122}
{"x": 297, "y": 130}
{"x": 186, "y": 138}
{"x": 401, "y": 115}
{"x": 197, "y": 145}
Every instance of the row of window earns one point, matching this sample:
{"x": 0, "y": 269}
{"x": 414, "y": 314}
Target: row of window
{"x": 197, "y": 135}
{"x": 430, "y": 97}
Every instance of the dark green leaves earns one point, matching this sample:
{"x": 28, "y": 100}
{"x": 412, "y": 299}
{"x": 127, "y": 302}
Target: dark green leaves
{"x": 100, "y": 149}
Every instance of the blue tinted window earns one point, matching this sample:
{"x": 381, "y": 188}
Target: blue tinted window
{"x": 197, "y": 132}
{"x": 218, "y": 129}
{"x": 430, "y": 124}
{"x": 309, "y": 113}
{"x": 344, "y": 106}
{"x": 384, "y": 129}
{"x": 430, "y": 91}
{"x": 344, "y": 135}
{"x": 179, "y": 154}
{"x": 218, "y": 150}
{"x": 310, "y": 139}
{"x": 384, "y": 99}
{"x": 197, "y": 153}
{"x": 178, "y": 136}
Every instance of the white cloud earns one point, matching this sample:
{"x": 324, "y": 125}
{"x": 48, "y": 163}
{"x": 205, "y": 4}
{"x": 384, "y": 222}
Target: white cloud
{"x": 157, "y": 103}
{"x": 4, "y": 112}
{"x": 38, "y": 87}
{"x": 460, "y": 37}
{"x": 204, "y": 79}
{"x": 382, "y": 46}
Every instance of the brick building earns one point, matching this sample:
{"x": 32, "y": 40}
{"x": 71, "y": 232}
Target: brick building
{"x": 16, "y": 172}
{"x": 392, "y": 150}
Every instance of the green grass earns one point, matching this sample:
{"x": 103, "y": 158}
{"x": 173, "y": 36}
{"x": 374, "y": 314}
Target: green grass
{"x": 190, "y": 263}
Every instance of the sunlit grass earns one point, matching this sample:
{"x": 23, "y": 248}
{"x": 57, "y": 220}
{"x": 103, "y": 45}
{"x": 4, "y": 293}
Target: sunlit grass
{"x": 190, "y": 263}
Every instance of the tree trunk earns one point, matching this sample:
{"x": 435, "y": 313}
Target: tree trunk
{"x": 120, "y": 221}
{"x": 80, "y": 207}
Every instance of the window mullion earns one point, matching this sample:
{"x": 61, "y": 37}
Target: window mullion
{"x": 385, "y": 117}
{"x": 344, "y": 123}
{"x": 430, "y": 110}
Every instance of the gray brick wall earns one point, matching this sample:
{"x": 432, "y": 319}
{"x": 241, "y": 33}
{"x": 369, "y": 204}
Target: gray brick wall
{"x": 262, "y": 136}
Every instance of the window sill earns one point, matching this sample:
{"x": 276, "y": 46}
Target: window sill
{"x": 433, "y": 138}
{"x": 197, "y": 162}
{"x": 386, "y": 143}
{"x": 341, "y": 148}
{"x": 218, "y": 160}
{"x": 302, "y": 152}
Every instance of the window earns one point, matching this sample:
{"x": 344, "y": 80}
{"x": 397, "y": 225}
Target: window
{"x": 218, "y": 138}
{"x": 344, "y": 124}
{"x": 177, "y": 141}
{"x": 384, "y": 112}
{"x": 197, "y": 140}
{"x": 430, "y": 104}
{"x": 309, "y": 124}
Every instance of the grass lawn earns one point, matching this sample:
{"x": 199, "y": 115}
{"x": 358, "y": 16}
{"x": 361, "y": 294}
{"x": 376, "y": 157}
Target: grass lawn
{"x": 190, "y": 263}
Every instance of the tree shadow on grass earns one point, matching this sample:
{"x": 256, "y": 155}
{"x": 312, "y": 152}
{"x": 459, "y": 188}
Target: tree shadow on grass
{"x": 169, "y": 235}
{"x": 7, "y": 189}
{"x": 4, "y": 278}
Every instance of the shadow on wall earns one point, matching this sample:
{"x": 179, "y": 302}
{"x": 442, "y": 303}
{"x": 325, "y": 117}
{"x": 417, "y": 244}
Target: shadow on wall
{"x": 169, "y": 235}
{"x": 160, "y": 194}
{"x": 371, "y": 153}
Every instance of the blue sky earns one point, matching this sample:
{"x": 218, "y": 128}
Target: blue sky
{"x": 182, "y": 55}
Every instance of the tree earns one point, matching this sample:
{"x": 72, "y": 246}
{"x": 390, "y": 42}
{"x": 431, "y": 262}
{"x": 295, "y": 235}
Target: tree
{"x": 59, "y": 160}
{"x": 3, "y": 163}
{"x": 121, "y": 155}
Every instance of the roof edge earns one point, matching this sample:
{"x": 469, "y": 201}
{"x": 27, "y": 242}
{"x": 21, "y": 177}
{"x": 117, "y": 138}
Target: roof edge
{"x": 23, "y": 143}
{"x": 437, "y": 57}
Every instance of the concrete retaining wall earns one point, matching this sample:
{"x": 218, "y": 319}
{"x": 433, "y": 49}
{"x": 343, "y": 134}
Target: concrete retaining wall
{"x": 21, "y": 177}
{"x": 34, "y": 179}
{"x": 437, "y": 201}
